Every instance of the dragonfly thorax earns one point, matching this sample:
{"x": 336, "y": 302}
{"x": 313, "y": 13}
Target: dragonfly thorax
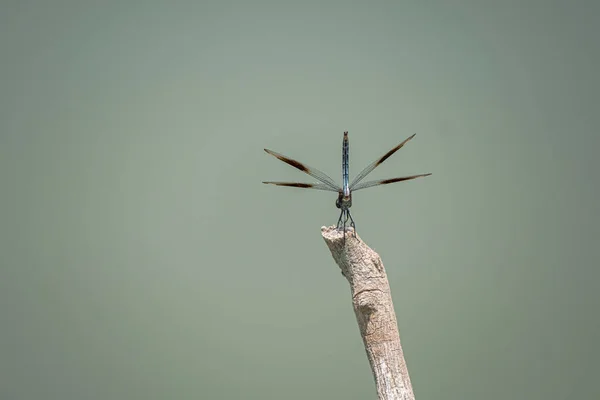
{"x": 343, "y": 202}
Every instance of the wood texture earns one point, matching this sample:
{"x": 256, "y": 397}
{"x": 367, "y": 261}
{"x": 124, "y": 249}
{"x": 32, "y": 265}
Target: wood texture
{"x": 372, "y": 302}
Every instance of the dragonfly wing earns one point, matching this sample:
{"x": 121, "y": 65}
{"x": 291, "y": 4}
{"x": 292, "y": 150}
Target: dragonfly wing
{"x": 318, "y": 186}
{"x": 367, "y": 184}
{"x": 315, "y": 173}
{"x": 376, "y": 163}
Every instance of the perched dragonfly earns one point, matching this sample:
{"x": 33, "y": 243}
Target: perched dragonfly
{"x": 344, "y": 200}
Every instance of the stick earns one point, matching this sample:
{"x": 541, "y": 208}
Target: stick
{"x": 372, "y": 302}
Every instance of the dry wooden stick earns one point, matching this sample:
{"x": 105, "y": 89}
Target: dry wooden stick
{"x": 372, "y": 302}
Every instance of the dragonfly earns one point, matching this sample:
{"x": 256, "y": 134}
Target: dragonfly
{"x": 344, "y": 200}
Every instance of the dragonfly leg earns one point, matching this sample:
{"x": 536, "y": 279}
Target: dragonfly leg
{"x": 345, "y": 221}
{"x": 352, "y": 224}
{"x": 339, "y": 223}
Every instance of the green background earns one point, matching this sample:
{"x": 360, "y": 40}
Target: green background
{"x": 141, "y": 257}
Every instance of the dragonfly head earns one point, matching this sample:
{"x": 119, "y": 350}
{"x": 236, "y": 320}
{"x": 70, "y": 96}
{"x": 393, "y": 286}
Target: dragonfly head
{"x": 342, "y": 201}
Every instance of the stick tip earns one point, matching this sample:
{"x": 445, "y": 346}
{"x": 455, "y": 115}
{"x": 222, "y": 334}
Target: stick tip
{"x": 334, "y": 235}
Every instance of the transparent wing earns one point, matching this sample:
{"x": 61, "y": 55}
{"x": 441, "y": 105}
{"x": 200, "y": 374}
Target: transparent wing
{"x": 376, "y": 163}
{"x": 367, "y": 184}
{"x": 318, "y": 186}
{"x": 315, "y": 173}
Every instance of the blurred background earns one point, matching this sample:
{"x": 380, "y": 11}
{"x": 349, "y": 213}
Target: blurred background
{"x": 142, "y": 257}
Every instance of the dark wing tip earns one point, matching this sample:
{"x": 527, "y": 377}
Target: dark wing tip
{"x": 403, "y": 178}
{"x": 294, "y": 184}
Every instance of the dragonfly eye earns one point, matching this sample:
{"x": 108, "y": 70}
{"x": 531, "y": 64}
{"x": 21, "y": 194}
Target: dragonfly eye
{"x": 338, "y": 203}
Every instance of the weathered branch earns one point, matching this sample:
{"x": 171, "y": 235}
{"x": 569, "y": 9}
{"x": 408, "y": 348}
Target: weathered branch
{"x": 372, "y": 302}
